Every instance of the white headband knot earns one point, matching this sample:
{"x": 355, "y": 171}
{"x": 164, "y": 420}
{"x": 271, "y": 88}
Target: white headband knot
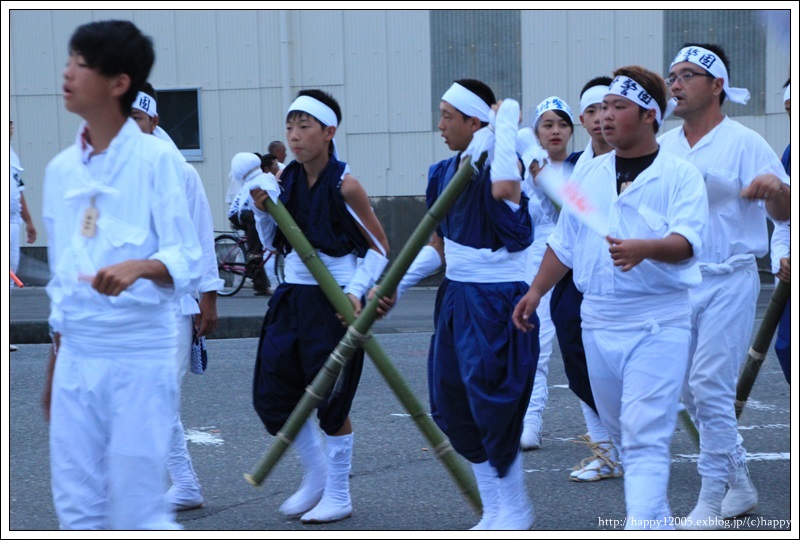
{"x": 711, "y": 63}
{"x": 593, "y": 95}
{"x": 787, "y": 94}
{"x": 553, "y": 103}
{"x": 630, "y": 89}
{"x": 146, "y": 104}
{"x": 467, "y": 102}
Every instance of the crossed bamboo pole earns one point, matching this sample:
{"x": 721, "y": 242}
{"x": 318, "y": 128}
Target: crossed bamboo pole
{"x": 357, "y": 335}
{"x": 755, "y": 356}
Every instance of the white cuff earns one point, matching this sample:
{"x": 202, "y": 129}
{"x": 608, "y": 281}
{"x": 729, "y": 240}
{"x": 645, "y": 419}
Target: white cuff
{"x": 426, "y": 263}
{"x": 368, "y": 272}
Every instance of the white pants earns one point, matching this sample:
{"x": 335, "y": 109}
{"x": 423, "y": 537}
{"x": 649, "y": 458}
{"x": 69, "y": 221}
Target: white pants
{"x": 636, "y": 378}
{"x": 178, "y": 461}
{"x": 13, "y": 246}
{"x": 112, "y": 407}
{"x": 547, "y": 332}
{"x": 723, "y": 314}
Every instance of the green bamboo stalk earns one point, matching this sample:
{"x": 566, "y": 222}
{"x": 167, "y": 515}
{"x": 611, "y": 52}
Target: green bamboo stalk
{"x": 758, "y": 351}
{"x": 357, "y": 335}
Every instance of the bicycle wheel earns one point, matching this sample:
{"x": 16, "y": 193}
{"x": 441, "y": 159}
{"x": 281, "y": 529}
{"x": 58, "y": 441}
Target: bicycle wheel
{"x": 231, "y": 260}
{"x": 280, "y": 263}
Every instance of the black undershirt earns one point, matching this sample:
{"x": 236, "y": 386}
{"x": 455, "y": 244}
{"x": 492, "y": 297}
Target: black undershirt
{"x": 629, "y": 168}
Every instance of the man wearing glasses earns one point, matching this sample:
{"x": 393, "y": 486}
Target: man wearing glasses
{"x": 745, "y": 184}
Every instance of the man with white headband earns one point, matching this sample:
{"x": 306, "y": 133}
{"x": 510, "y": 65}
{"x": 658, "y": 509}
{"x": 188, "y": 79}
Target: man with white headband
{"x": 481, "y": 370}
{"x": 196, "y": 312}
{"x": 565, "y": 310}
{"x": 301, "y": 327}
{"x": 745, "y": 184}
{"x": 122, "y": 251}
{"x": 635, "y": 283}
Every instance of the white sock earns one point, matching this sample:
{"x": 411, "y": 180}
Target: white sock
{"x": 307, "y": 446}
{"x": 489, "y": 489}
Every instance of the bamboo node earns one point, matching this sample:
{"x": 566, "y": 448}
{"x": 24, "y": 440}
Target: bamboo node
{"x": 756, "y": 355}
{"x": 312, "y": 394}
{"x": 442, "y": 448}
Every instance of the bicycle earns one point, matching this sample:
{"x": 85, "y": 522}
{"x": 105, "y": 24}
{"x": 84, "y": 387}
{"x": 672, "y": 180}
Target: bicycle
{"x": 232, "y": 263}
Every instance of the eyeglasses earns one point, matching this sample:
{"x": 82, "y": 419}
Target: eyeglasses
{"x": 685, "y": 77}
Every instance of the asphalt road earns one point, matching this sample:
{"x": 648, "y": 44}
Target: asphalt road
{"x": 396, "y": 484}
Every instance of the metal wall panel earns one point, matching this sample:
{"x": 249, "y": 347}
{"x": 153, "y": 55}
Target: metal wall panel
{"x": 197, "y": 50}
{"x": 237, "y": 49}
{"x": 410, "y": 155}
{"x": 475, "y": 44}
{"x": 409, "y": 58}
{"x": 269, "y": 45}
{"x": 32, "y": 53}
{"x": 778, "y": 61}
{"x": 366, "y": 108}
{"x": 368, "y": 160}
{"x": 318, "y": 41}
{"x": 273, "y": 118}
{"x": 160, "y": 25}
{"x": 545, "y": 57}
{"x": 639, "y": 39}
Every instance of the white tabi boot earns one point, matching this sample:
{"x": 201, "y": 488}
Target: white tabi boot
{"x": 707, "y": 514}
{"x": 335, "y": 504}
{"x": 516, "y": 511}
{"x": 489, "y": 489}
{"x": 742, "y": 497}
{"x": 307, "y": 446}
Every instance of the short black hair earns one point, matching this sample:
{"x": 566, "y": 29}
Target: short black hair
{"x": 320, "y": 96}
{"x": 148, "y": 89}
{"x": 481, "y": 90}
{"x": 115, "y": 47}
{"x": 603, "y": 80}
{"x": 717, "y": 50}
{"x": 267, "y": 161}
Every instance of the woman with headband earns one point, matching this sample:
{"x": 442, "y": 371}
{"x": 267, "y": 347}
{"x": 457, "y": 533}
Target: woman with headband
{"x": 553, "y": 128}
{"x": 635, "y": 283}
{"x": 301, "y": 327}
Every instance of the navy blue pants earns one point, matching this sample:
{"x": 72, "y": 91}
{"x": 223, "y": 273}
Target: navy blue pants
{"x": 299, "y": 333}
{"x": 481, "y": 370}
{"x": 565, "y": 311}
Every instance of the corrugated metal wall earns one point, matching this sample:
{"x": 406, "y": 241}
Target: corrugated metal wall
{"x": 387, "y": 68}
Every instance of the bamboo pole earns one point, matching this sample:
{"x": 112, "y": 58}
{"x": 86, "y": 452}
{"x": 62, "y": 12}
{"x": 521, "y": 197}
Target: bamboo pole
{"x": 758, "y": 351}
{"x": 357, "y": 335}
